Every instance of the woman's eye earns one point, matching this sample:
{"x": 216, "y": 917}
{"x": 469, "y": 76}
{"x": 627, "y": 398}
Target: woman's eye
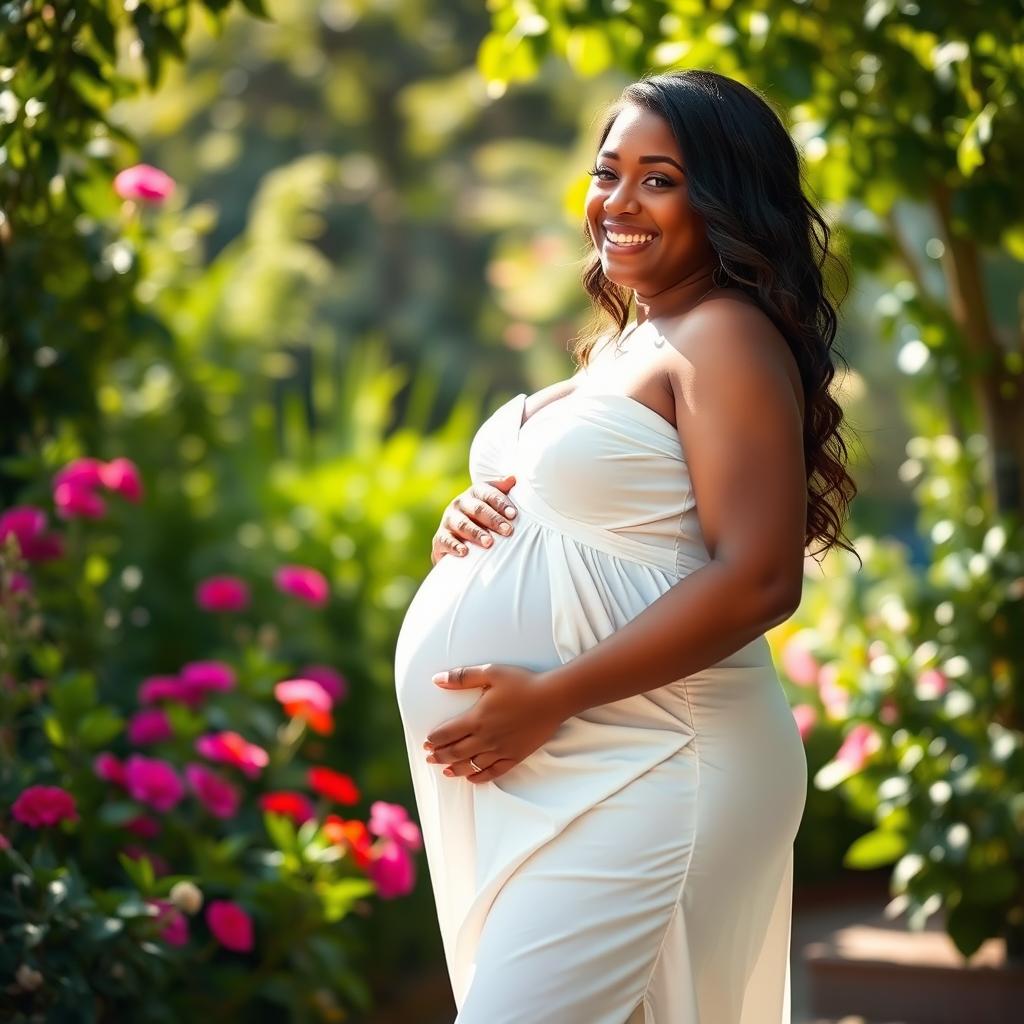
{"x": 597, "y": 172}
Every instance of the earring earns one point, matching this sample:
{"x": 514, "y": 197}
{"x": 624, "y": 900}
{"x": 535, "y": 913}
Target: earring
{"x": 725, "y": 274}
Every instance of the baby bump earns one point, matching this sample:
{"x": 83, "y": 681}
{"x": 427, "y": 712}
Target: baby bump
{"x": 491, "y": 605}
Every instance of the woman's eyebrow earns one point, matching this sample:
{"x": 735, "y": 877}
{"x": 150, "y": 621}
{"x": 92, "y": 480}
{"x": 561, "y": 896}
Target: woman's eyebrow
{"x": 653, "y": 159}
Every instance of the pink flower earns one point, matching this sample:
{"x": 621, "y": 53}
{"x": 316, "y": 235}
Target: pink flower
{"x": 153, "y": 782}
{"x": 171, "y": 921}
{"x": 231, "y": 748}
{"x": 231, "y": 925}
{"x": 41, "y": 806}
{"x": 222, "y": 594}
{"x": 307, "y": 699}
{"x": 158, "y": 688}
{"x": 330, "y": 679}
{"x": 200, "y": 677}
{"x": 28, "y": 525}
{"x": 72, "y": 501}
{"x": 393, "y": 871}
{"x": 144, "y": 182}
{"x": 392, "y": 822}
{"x": 122, "y": 476}
{"x": 217, "y": 795}
{"x": 860, "y": 742}
{"x": 800, "y": 666}
{"x": 143, "y": 826}
{"x": 834, "y": 697}
{"x": 931, "y": 684}
{"x": 150, "y": 726}
{"x": 85, "y": 473}
{"x": 292, "y": 805}
{"x": 5, "y": 843}
{"x": 806, "y": 718}
{"x": 109, "y": 768}
{"x": 300, "y": 581}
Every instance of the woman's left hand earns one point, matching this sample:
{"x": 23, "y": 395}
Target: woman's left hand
{"x": 513, "y": 717}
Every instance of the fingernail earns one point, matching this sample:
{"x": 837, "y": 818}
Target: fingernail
{"x": 510, "y": 511}
{"x": 448, "y": 771}
{"x": 485, "y": 539}
{"x": 504, "y": 527}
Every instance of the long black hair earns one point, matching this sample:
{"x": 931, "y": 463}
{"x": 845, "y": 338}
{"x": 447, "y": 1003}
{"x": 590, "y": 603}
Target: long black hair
{"x": 744, "y": 178}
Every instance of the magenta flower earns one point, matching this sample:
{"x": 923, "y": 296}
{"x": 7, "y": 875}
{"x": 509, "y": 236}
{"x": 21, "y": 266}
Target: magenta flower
{"x": 109, "y": 768}
{"x": 74, "y": 502}
{"x": 144, "y": 182}
{"x": 231, "y": 748}
{"x": 43, "y": 806}
{"x": 330, "y": 679}
{"x": 28, "y": 525}
{"x": 806, "y": 716}
{"x": 159, "y": 688}
{"x": 85, "y": 473}
{"x": 222, "y": 594}
{"x": 860, "y": 742}
{"x": 217, "y": 795}
{"x": 122, "y": 476}
{"x": 392, "y": 822}
{"x": 393, "y": 871}
{"x": 231, "y": 925}
{"x": 171, "y": 922}
{"x": 153, "y": 782}
{"x": 150, "y": 726}
{"x": 5, "y": 843}
{"x": 200, "y": 677}
{"x": 306, "y": 584}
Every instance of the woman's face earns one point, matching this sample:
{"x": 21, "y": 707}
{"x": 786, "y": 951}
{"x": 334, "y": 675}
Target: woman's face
{"x": 644, "y": 230}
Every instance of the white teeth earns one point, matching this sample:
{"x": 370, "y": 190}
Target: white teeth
{"x": 628, "y": 239}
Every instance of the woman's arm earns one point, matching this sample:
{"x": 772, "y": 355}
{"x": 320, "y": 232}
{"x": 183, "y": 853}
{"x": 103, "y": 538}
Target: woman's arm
{"x": 740, "y": 423}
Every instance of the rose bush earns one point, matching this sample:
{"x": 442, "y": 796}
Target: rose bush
{"x": 189, "y": 825}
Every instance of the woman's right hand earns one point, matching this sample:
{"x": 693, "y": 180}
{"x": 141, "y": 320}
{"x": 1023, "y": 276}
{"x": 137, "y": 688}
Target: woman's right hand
{"x": 471, "y": 516}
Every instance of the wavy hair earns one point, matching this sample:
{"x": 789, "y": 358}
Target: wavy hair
{"x": 744, "y": 178}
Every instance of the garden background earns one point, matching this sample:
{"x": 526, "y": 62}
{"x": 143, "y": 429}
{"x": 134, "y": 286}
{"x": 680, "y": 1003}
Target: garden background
{"x": 237, "y": 388}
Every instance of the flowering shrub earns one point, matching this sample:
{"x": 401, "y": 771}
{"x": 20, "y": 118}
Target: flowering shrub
{"x": 916, "y": 679}
{"x": 189, "y": 825}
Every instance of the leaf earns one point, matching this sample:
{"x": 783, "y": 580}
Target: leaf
{"x": 969, "y": 154}
{"x": 875, "y": 849}
{"x": 99, "y": 727}
{"x": 256, "y": 9}
{"x": 281, "y": 831}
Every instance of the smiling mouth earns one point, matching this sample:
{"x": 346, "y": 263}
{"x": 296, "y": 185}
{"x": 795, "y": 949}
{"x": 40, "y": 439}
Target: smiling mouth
{"x": 628, "y": 243}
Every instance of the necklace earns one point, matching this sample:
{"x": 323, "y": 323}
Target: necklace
{"x": 620, "y": 351}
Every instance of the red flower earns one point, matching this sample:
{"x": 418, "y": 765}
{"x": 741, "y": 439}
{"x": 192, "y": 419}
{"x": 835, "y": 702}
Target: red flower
{"x": 293, "y": 805}
{"x": 231, "y": 925}
{"x": 41, "y": 806}
{"x": 231, "y": 748}
{"x": 352, "y": 834}
{"x": 334, "y": 785}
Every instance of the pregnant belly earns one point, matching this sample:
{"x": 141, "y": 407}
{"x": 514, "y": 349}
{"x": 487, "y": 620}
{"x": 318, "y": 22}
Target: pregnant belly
{"x": 487, "y": 606}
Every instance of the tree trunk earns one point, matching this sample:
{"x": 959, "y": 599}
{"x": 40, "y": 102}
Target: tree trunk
{"x": 998, "y": 395}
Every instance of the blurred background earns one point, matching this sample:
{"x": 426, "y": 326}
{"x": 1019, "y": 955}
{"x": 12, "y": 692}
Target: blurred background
{"x": 265, "y": 267}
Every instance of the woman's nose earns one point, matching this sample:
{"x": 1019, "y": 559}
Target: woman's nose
{"x": 621, "y": 199}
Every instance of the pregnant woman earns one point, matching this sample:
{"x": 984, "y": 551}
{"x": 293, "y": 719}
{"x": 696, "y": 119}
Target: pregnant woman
{"x": 608, "y": 776}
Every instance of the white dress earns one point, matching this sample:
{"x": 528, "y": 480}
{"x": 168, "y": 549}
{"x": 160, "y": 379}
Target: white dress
{"x": 636, "y": 868}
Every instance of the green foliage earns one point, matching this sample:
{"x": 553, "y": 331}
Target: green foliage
{"x": 924, "y": 677}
